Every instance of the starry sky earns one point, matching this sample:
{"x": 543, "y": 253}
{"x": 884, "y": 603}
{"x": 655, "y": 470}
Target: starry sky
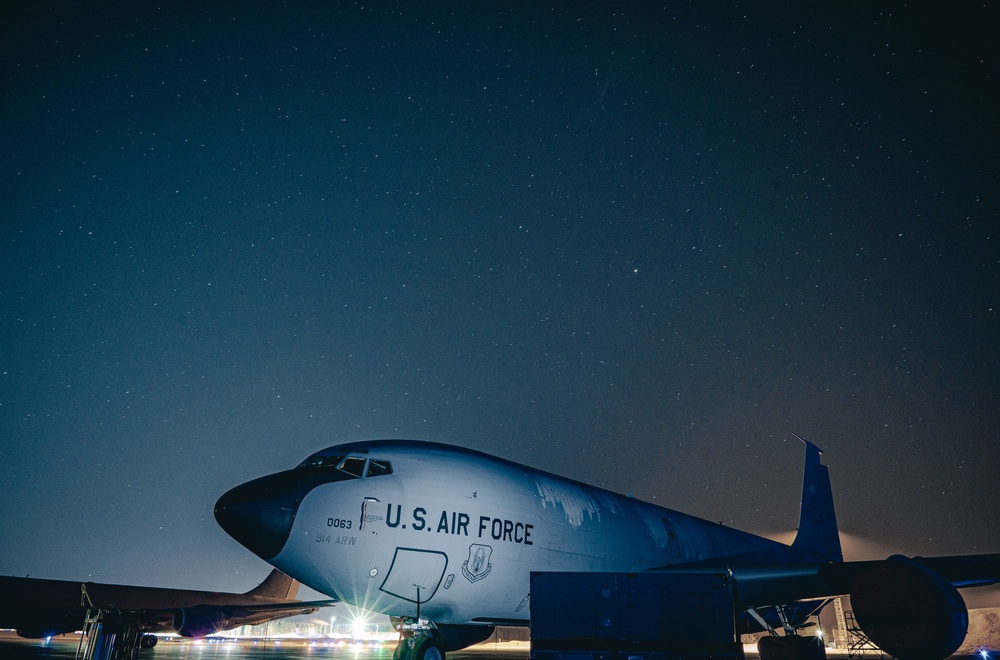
{"x": 637, "y": 246}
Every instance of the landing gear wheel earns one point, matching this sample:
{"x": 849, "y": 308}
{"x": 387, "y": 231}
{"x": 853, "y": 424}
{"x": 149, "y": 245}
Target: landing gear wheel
{"x": 404, "y": 647}
{"x": 420, "y": 646}
{"x": 428, "y": 648}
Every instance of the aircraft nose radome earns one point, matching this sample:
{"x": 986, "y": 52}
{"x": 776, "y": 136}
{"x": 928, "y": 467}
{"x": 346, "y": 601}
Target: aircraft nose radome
{"x": 259, "y": 513}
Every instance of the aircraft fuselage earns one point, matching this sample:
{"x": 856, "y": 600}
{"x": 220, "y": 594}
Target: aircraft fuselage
{"x": 456, "y": 530}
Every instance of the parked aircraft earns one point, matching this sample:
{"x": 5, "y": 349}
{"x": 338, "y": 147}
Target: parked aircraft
{"x": 44, "y": 608}
{"x": 445, "y": 539}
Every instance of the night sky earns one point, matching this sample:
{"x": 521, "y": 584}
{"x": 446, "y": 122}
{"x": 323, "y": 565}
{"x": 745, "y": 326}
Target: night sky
{"x": 639, "y": 247}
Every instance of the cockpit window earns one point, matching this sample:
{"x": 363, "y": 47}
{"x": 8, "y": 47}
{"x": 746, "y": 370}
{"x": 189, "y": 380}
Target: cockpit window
{"x": 376, "y": 468}
{"x": 353, "y": 465}
{"x": 321, "y": 461}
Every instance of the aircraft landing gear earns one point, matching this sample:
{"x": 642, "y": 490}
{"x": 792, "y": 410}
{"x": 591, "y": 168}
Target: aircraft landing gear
{"x": 789, "y": 646}
{"x": 419, "y": 645}
{"x": 428, "y": 648}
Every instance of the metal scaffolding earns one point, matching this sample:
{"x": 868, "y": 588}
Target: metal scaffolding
{"x": 858, "y": 643}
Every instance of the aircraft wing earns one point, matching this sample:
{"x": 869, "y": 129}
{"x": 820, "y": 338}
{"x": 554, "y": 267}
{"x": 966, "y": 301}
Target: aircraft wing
{"x": 762, "y": 584}
{"x": 201, "y": 620}
{"x": 41, "y": 608}
{"x": 965, "y": 571}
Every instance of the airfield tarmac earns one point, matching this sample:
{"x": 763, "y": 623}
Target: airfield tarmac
{"x": 13, "y": 647}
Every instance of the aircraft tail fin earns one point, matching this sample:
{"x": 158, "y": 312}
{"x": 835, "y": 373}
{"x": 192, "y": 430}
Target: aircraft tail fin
{"x": 818, "y": 535}
{"x": 276, "y": 585}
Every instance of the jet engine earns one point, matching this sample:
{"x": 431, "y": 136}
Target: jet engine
{"x": 909, "y": 611}
{"x": 200, "y": 620}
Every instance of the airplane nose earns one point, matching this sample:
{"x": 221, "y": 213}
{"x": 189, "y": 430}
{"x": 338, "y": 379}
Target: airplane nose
{"x": 259, "y": 514}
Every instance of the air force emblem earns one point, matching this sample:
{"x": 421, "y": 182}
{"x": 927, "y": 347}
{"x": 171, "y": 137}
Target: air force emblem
{"x": 478, "y": 565}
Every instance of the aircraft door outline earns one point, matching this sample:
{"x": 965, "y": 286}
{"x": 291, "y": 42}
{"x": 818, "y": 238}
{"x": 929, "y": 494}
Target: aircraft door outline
{"x": 415, "y": 575}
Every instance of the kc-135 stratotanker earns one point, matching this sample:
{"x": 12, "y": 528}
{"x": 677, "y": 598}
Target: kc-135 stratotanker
{"x": 445, "y": 539}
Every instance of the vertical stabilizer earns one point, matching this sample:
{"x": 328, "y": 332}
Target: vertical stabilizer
{"x": 276, "y": 585}
{"x": 818, "y": 535}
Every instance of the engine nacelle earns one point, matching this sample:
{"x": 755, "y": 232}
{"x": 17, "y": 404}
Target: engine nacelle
{"x": 909, "y": 611}
{"x": 199, "y": 621}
